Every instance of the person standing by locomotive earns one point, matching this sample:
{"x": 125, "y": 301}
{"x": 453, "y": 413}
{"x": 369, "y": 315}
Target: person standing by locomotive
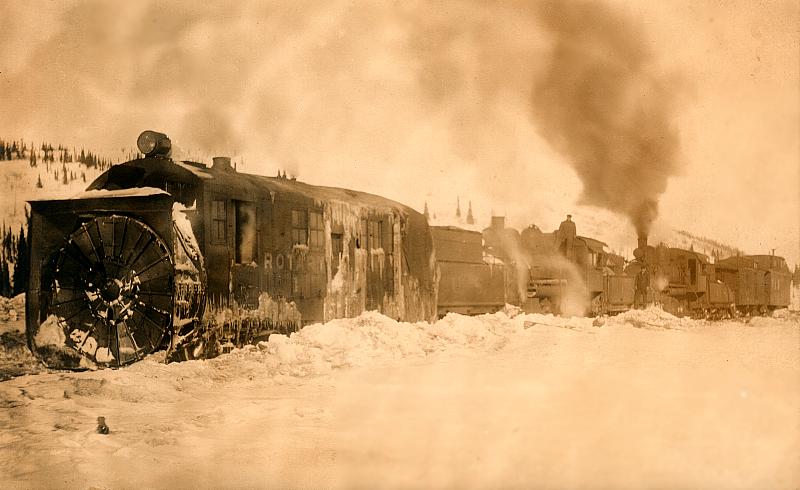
{"x": 642, "y": 284}
{"x": 566, "y": 236}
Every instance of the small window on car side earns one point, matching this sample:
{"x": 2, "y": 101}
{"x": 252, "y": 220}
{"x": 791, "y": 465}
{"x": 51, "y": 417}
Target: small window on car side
{"x": 299, "y": 227}
{"x": 219, "y": 221}
{"x": 316, "y": 231}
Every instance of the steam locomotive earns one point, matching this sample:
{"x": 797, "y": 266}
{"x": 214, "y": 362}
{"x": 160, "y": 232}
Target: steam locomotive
{"x": 528, "y": 270}
{"x": 160, "y": 253}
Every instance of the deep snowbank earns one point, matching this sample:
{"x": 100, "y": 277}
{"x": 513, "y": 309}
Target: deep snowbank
{"x": 372, "y": 338}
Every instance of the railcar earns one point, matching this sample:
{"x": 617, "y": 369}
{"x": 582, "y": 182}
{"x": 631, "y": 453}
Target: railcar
{"x": 760, "y": 283}
{"x": 538, "y": 277}
{"x": 471, "y": 282}
{"x": 166, "y": 253}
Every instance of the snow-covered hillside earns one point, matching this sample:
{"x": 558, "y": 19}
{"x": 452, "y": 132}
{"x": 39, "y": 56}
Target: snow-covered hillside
{"x": 18, "y": 184}
{"x": 640, "y": 400}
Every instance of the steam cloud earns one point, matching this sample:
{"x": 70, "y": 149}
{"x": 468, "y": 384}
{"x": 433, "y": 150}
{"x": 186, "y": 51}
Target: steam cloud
{"x": 602, "y": 103}
{"x": 382, "y": 96}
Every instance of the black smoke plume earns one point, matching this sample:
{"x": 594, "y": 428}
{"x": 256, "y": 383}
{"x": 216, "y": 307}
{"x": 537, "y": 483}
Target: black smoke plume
{"x": 602, "y": 102}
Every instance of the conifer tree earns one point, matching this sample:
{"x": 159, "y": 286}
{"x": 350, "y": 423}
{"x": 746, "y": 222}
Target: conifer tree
{"x": 39, "y": 182}
{"x": 21, "y": 265}
{"x": 5, "y": 282}
{"x": 7, "y": 244}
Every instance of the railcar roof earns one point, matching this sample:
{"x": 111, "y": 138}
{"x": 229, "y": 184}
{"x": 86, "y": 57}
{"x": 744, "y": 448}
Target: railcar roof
{"x": 189, "y": 171}
{"x": 764, "y": 262}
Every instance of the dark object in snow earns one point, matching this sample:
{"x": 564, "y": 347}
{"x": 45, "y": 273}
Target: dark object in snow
{"x": 102, "y": 428}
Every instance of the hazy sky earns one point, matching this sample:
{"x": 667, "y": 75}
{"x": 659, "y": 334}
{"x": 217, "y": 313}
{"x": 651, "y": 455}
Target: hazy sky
{"x": 423, "y": 101}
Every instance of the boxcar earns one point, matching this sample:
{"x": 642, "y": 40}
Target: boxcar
{"x": 759, "y": 282}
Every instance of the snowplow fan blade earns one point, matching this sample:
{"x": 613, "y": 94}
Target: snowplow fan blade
{"x": 102, "y": 295}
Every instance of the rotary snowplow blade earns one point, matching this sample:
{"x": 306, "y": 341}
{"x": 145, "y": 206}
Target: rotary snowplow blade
{"x": 102, "y": 282}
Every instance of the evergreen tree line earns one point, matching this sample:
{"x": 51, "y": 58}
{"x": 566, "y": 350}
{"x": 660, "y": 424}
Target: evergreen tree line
{"x": 47, "y": 153}
{"x": 14, "y": 150}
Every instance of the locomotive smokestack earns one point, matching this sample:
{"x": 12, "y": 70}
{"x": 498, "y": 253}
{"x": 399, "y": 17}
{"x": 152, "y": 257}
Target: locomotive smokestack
{"x": 222, "y": 163}
{"x": 641, "y": 248}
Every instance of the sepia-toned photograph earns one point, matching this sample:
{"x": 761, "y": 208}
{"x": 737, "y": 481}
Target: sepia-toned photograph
{"x": 386, "y": 244}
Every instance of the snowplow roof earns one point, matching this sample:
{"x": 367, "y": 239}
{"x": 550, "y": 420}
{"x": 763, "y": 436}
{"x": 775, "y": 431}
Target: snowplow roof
{"x": 136, "y": 172}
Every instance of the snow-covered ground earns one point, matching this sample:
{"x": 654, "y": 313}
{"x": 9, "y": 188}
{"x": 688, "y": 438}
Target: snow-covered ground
{"x": 635, "y": 401}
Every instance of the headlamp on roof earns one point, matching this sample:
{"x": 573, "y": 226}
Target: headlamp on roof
{"x": 154, "y": 144}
